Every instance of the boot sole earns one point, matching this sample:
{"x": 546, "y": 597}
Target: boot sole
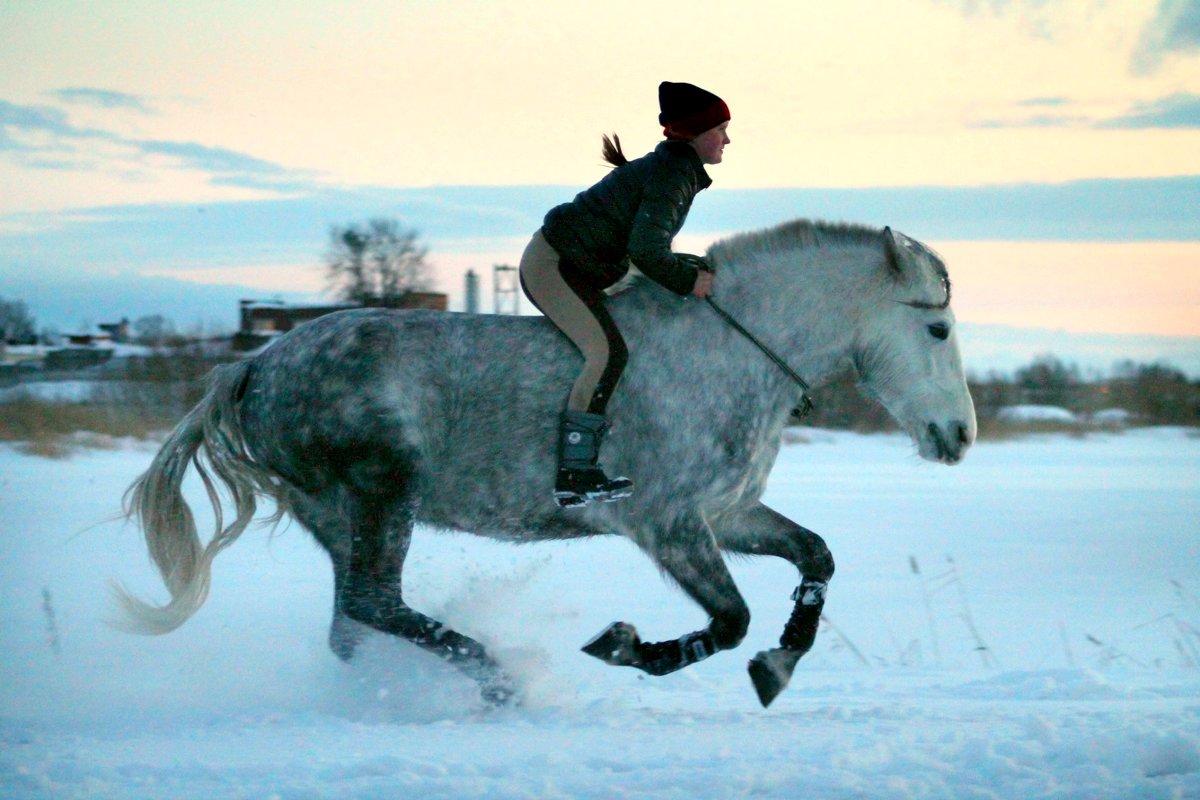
{"x": 576, "y": 500}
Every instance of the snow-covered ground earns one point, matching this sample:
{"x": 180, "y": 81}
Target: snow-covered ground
{"x": 1076, "y": 562}
{"x": 50, "y": 391}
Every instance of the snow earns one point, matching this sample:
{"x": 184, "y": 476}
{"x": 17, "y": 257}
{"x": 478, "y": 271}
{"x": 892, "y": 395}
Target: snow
{"x": 1113, "y": 416}
{"x": 1075, "y": 560}
{"x": 1035, "y": 413}
{"x": 50, "y": 391}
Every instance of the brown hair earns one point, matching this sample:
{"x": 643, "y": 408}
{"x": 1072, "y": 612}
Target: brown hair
{"x": 611, "y": 150}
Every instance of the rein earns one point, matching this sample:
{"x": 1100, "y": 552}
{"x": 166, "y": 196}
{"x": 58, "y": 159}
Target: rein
{"x": 806, "y": 403}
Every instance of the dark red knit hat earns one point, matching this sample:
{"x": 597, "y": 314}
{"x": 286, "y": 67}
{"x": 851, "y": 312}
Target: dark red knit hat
{"x": 688, "y": 111}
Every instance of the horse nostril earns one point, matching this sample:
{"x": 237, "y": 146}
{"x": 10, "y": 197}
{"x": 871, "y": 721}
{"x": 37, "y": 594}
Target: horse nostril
{"x": 962, "y": 434}
{"x": 938, "y": 442}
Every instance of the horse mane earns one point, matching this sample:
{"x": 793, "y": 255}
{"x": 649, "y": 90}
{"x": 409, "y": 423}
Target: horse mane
{"x": 801, "y": 233}
{"x": 807, "y": 234}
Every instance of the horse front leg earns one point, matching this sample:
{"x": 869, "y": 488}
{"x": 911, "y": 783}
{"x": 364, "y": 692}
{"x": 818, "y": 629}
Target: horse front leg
{"x": 689, "y": 554}
{"x": 763, "y": 531}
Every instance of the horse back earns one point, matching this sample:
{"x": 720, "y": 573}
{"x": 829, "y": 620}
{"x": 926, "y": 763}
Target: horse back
{"x": 444, "y": 407}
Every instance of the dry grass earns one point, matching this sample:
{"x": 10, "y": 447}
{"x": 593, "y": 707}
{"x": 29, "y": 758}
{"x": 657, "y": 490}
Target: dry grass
{"x": 995, "y": 430}
{"x": 55, "y": 430}
{"x": 154, "y": 394}
{"x": 30, "y": 419}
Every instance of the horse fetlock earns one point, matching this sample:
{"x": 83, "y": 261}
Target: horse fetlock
{"x": 496, "y": 687}
{"x": 360, "y": 610}
{"x": 344, "y": 636}
{"x": 500, "y": 692}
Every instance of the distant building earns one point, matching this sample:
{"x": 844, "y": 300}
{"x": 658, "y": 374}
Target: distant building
{"x": 117, "y": 331}
{"x": 261, "y": 320}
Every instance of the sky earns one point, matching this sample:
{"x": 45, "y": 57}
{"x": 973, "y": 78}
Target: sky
{"x": 175, "y": 158}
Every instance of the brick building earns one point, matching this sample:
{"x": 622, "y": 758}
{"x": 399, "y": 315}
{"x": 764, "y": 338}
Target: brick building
{"x": 260, "y": 320}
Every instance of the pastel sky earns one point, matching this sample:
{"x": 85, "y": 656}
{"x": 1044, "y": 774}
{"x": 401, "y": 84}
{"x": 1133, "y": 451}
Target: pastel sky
{"x": 160, "y": 154}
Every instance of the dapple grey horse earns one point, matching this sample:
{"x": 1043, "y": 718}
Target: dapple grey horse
{"x": 362, "y": 423}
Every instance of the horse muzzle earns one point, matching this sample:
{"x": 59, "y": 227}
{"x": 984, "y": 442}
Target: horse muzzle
{"x": 947, "y": 444}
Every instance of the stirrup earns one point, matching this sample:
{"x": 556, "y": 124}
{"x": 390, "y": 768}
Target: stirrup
{"x": 589, "y": 486}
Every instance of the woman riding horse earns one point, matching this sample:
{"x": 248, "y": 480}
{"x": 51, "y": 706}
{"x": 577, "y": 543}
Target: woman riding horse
{"x": 585, "y": 247}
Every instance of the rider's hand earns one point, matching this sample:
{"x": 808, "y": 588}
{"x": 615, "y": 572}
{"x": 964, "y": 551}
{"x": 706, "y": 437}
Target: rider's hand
{"x": 704, "y": 284}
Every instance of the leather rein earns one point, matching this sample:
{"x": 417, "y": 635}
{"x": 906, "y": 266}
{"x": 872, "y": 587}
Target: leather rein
{"x": 806, "y": 404}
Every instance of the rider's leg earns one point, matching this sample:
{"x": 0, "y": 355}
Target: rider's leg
{"x": 578, "y": 311}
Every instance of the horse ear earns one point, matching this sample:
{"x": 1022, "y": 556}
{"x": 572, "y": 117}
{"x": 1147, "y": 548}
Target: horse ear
{"x": 894, "y": 257}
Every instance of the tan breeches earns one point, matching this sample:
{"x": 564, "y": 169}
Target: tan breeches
{"x": 578, "y": 311}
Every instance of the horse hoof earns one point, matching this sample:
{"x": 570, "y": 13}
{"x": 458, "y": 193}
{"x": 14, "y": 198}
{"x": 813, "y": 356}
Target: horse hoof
{"x": 770, "y": 672}
{"x": 616, "y": 644}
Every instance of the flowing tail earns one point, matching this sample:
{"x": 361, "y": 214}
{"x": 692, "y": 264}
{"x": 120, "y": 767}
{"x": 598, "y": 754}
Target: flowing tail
{"x": 211, "y": 432}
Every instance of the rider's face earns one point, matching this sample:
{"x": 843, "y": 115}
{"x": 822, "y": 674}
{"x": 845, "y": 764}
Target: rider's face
{"x": 710, "y": 145}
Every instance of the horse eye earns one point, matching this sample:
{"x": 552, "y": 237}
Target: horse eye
{"x": 939, "y": 330}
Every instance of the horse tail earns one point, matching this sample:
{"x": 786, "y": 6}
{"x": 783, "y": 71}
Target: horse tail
{"x": 213, "y": 430}
{"x": 611, "y": 150}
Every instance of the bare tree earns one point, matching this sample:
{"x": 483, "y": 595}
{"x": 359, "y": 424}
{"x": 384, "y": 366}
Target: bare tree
{"x": 16, "y": 323}
{"x": 375, "y": 264}
{"x": 153, "y": 330}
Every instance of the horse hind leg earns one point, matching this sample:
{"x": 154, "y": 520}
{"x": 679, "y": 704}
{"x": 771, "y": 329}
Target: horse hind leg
{"x": 320, "y": 514}
{"x": 368, "y": 541}
{"x": 689, "y": 554}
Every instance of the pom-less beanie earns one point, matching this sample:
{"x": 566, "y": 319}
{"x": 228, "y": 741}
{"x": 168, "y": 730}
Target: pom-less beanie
{"x": 688, "y": 111}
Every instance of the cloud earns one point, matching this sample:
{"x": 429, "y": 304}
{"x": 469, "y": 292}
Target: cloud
{"x": 97, "y": 263}
{"x": 101, "y": 98}
{"x": 1180, "y": 110}
{"x": 1174, "y": 31}
{"x": 35, "y": 118}
{"x": 228, "y": 167}
{"x": 294, "y": 229}
{"x": 1035, "y": 17}
{"x": 43, "y": 137}
{"x": 1043, "y": 102}
{"x": 1033, "y": 121}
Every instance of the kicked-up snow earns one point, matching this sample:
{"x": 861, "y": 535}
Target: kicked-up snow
{"x": 1024, "y": 625}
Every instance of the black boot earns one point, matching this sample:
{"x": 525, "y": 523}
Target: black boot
{"x": 580, "y": 477}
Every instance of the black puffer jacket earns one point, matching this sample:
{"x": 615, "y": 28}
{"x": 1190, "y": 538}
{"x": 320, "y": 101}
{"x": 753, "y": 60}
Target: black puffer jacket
{"x": 632, "y": 215}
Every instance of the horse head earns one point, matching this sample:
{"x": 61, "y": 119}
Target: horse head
{"x": 907, "y": 354}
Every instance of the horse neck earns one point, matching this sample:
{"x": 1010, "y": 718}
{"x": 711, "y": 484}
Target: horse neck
{"x": 803, "y": 303}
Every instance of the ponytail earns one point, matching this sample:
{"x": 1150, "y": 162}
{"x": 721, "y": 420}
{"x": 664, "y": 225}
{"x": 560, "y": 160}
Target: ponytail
{"x": 611, "y": 150}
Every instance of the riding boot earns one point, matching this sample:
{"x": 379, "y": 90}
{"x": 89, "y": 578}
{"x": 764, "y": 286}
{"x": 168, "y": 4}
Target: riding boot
{"x": 581, "y": 479}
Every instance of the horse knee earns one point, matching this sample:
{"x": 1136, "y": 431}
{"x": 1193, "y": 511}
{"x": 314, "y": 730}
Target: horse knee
{"x": 729, "y": 628}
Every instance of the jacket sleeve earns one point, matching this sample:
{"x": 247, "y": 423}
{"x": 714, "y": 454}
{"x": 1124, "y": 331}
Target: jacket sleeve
{"x": 666, "y": 198}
